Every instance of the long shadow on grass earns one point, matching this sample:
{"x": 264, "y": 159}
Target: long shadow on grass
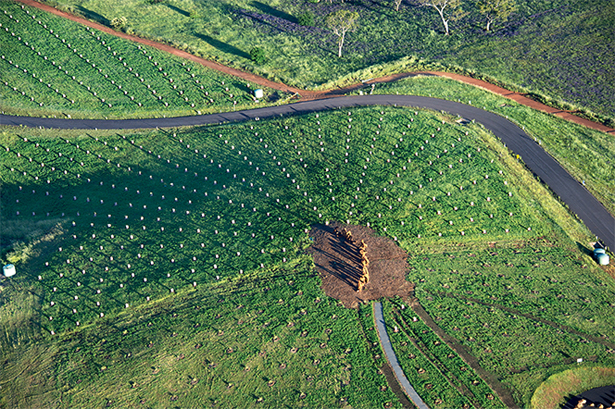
{"x": 222, "y": 46}
{"x": 92, "y": 15}
{"x": 178, "y": 10}
{"x": 273, "y": 12}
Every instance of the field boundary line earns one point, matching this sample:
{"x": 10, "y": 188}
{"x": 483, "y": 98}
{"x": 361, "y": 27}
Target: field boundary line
{"x": 385, "y": 342}
{"x": 309, "y": 95}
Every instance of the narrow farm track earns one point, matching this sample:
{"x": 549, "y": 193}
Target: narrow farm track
{"x": 579, "y": 200}
{"x": 309, "y": 95}
{"x": 385, "y": 341}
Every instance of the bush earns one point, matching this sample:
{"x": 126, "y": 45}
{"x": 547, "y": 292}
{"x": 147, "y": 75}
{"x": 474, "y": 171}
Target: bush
{"x": 258, "y": 55}
{"x": 119, "y": 22}
{"x": 306, "y": 19}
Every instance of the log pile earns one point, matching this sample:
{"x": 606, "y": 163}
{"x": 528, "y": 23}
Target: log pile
{"x": 346, "y": 234}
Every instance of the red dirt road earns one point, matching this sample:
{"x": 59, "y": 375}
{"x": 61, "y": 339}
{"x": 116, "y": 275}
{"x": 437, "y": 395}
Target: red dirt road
{"x": 308, "y": 95}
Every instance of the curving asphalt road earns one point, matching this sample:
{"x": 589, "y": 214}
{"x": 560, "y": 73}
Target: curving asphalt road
{"x": 385, "y": 341}
{"x": 571, "y": 192}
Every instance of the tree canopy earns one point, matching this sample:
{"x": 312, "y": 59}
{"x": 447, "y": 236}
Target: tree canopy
{"x": 341, "y": 22}
{"x": 496, "y": 10}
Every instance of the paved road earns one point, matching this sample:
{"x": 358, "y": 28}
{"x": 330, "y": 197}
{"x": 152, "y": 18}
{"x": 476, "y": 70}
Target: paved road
{"x": 385, "y": 341}
{"x": 573, "y": 193}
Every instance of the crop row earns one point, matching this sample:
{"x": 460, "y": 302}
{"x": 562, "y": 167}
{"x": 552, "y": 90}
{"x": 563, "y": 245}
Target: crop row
{"x": 550, "y": 282}
{"x": 512, "y": 346}
{"x": 57, "y": 64}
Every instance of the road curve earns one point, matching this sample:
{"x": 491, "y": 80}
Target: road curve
{"x": 570, "y": 191}
{"x": 385, "y": 341}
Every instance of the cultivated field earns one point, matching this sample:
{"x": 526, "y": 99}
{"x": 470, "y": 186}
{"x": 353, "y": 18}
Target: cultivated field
{"x": 561, "y": 49}
{"x": 170, "y": 268}
{"x": 55, "y": 67}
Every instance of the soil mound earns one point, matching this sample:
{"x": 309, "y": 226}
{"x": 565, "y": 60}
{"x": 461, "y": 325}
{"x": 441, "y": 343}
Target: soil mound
{"x": 338, "y": 260}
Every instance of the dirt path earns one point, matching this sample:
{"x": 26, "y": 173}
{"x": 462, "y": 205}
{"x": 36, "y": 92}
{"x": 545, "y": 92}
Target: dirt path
{"x": 309, "y": 95}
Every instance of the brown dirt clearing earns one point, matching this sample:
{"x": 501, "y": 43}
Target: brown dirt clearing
{"x": 339, "y": 263}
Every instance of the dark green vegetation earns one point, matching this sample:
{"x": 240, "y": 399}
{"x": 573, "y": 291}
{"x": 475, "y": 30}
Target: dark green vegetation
{"x": 556, "y": 390}
{"x": 562, "y": 49}
{"x": 176, "y": 269}
{"x": 53, "y": 66}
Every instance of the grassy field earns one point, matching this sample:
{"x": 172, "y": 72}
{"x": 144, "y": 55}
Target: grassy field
{"x": 586, "y": 154}
{"x": 559, "y": 49}
{"x": 169, "y": 267}
{"x": 55, "y": 67}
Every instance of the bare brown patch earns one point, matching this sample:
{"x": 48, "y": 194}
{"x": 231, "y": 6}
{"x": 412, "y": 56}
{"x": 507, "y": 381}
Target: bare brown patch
{"x": 339, "y": 263}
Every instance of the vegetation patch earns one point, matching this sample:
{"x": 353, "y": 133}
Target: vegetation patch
{"x": 558, "y": 387}
{"x": 55, "y": 67}
{"x": 554, "y": 48}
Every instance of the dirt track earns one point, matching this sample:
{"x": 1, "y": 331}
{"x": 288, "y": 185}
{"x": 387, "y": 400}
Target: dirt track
{"x": 308, "y": 95}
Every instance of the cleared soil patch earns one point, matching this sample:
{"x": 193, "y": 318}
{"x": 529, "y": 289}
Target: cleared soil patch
{"x": 339, "y": 262}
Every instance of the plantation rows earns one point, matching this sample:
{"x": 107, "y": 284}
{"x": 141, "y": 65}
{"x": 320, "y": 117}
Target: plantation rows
{"x": 256, "y": 340}
{"x": 137, "y": 224}
{"x": 439, "y": 375}
{"x": 59, "y": 65}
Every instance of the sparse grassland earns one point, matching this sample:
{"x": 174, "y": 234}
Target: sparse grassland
{"x": 55, "y": 67}
{"x": 180, "y": 263}
{"x": 561, "y": 49}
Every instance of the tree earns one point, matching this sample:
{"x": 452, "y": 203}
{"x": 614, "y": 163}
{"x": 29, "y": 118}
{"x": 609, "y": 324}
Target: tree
{"x": 397, "y": 3}
{"x": 341, "y": 22}
{"x": 496, "y": 10}
{"x": 258, "y": 55}
{"x": 454, "y": 12}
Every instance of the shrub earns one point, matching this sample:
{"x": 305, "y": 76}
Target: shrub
{"x": 306, "y": 19}
{"x": 119, "y": 22}
{"x": 258, "y": 55}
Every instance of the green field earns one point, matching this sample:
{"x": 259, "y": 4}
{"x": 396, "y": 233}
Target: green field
{"x": 169, "y": 266}
{"x": 586, "y": 154}
{"x": 561, "y": 49}
{"x": 54, "y": 67}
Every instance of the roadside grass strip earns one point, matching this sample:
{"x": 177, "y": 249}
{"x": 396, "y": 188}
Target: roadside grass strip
{"x": 54, "y": 66}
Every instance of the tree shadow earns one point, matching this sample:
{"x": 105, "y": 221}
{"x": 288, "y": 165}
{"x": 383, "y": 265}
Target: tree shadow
{"x": 273, "y": 12}
{"x": 222, "y": 46}
{"x": 92, "y": 15}
{"x": 178, "y": 10}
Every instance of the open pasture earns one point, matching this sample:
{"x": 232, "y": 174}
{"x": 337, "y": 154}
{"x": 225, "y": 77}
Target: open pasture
{"x": 55, "y": 67}
{"x": 146, "y": 221}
